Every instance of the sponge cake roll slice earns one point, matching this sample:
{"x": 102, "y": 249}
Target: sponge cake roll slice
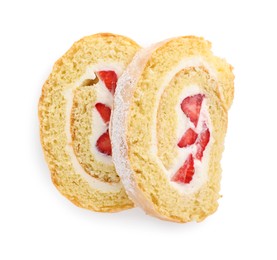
{"x": 168, "y": 128}
{"x": 74, "y": 113}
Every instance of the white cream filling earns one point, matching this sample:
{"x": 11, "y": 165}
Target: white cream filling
{"x": 201, "y": 167}
{"x": 98, "y": 127}
{"x": 183, "y": 64}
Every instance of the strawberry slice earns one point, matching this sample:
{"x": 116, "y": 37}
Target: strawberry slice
{"x": 110, "y": 79}
{"x": 202, "y": 142}
{"x": 191, "y": 106}
{"x": 104, "y": 111}
{"x": 103, "y": 144}
{"x": 185, "y": 173}
{"x": 188, "y": 138}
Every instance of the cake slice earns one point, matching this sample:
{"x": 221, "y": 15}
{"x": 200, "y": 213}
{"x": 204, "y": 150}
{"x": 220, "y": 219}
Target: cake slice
{"x": 74, "y": 113}
{"x": 168, "y": 127}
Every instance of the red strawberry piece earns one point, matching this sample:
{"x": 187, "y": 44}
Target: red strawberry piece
{"x": 202, "y": 142}
{"x": 103, "y": 144}
{"x": 110, "y": 79}
{"x": 188, "y": 138}
{"x": 104, "y": 111}
{"x": 191, "y": 106}
{"x": 185, "y": 173}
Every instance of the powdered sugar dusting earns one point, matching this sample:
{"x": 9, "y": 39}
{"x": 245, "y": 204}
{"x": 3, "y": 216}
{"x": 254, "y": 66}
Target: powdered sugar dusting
{"x": 123, "y": 94}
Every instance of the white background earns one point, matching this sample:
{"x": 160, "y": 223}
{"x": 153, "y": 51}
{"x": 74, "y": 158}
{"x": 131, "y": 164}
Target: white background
{"x": 38, "y": 223}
